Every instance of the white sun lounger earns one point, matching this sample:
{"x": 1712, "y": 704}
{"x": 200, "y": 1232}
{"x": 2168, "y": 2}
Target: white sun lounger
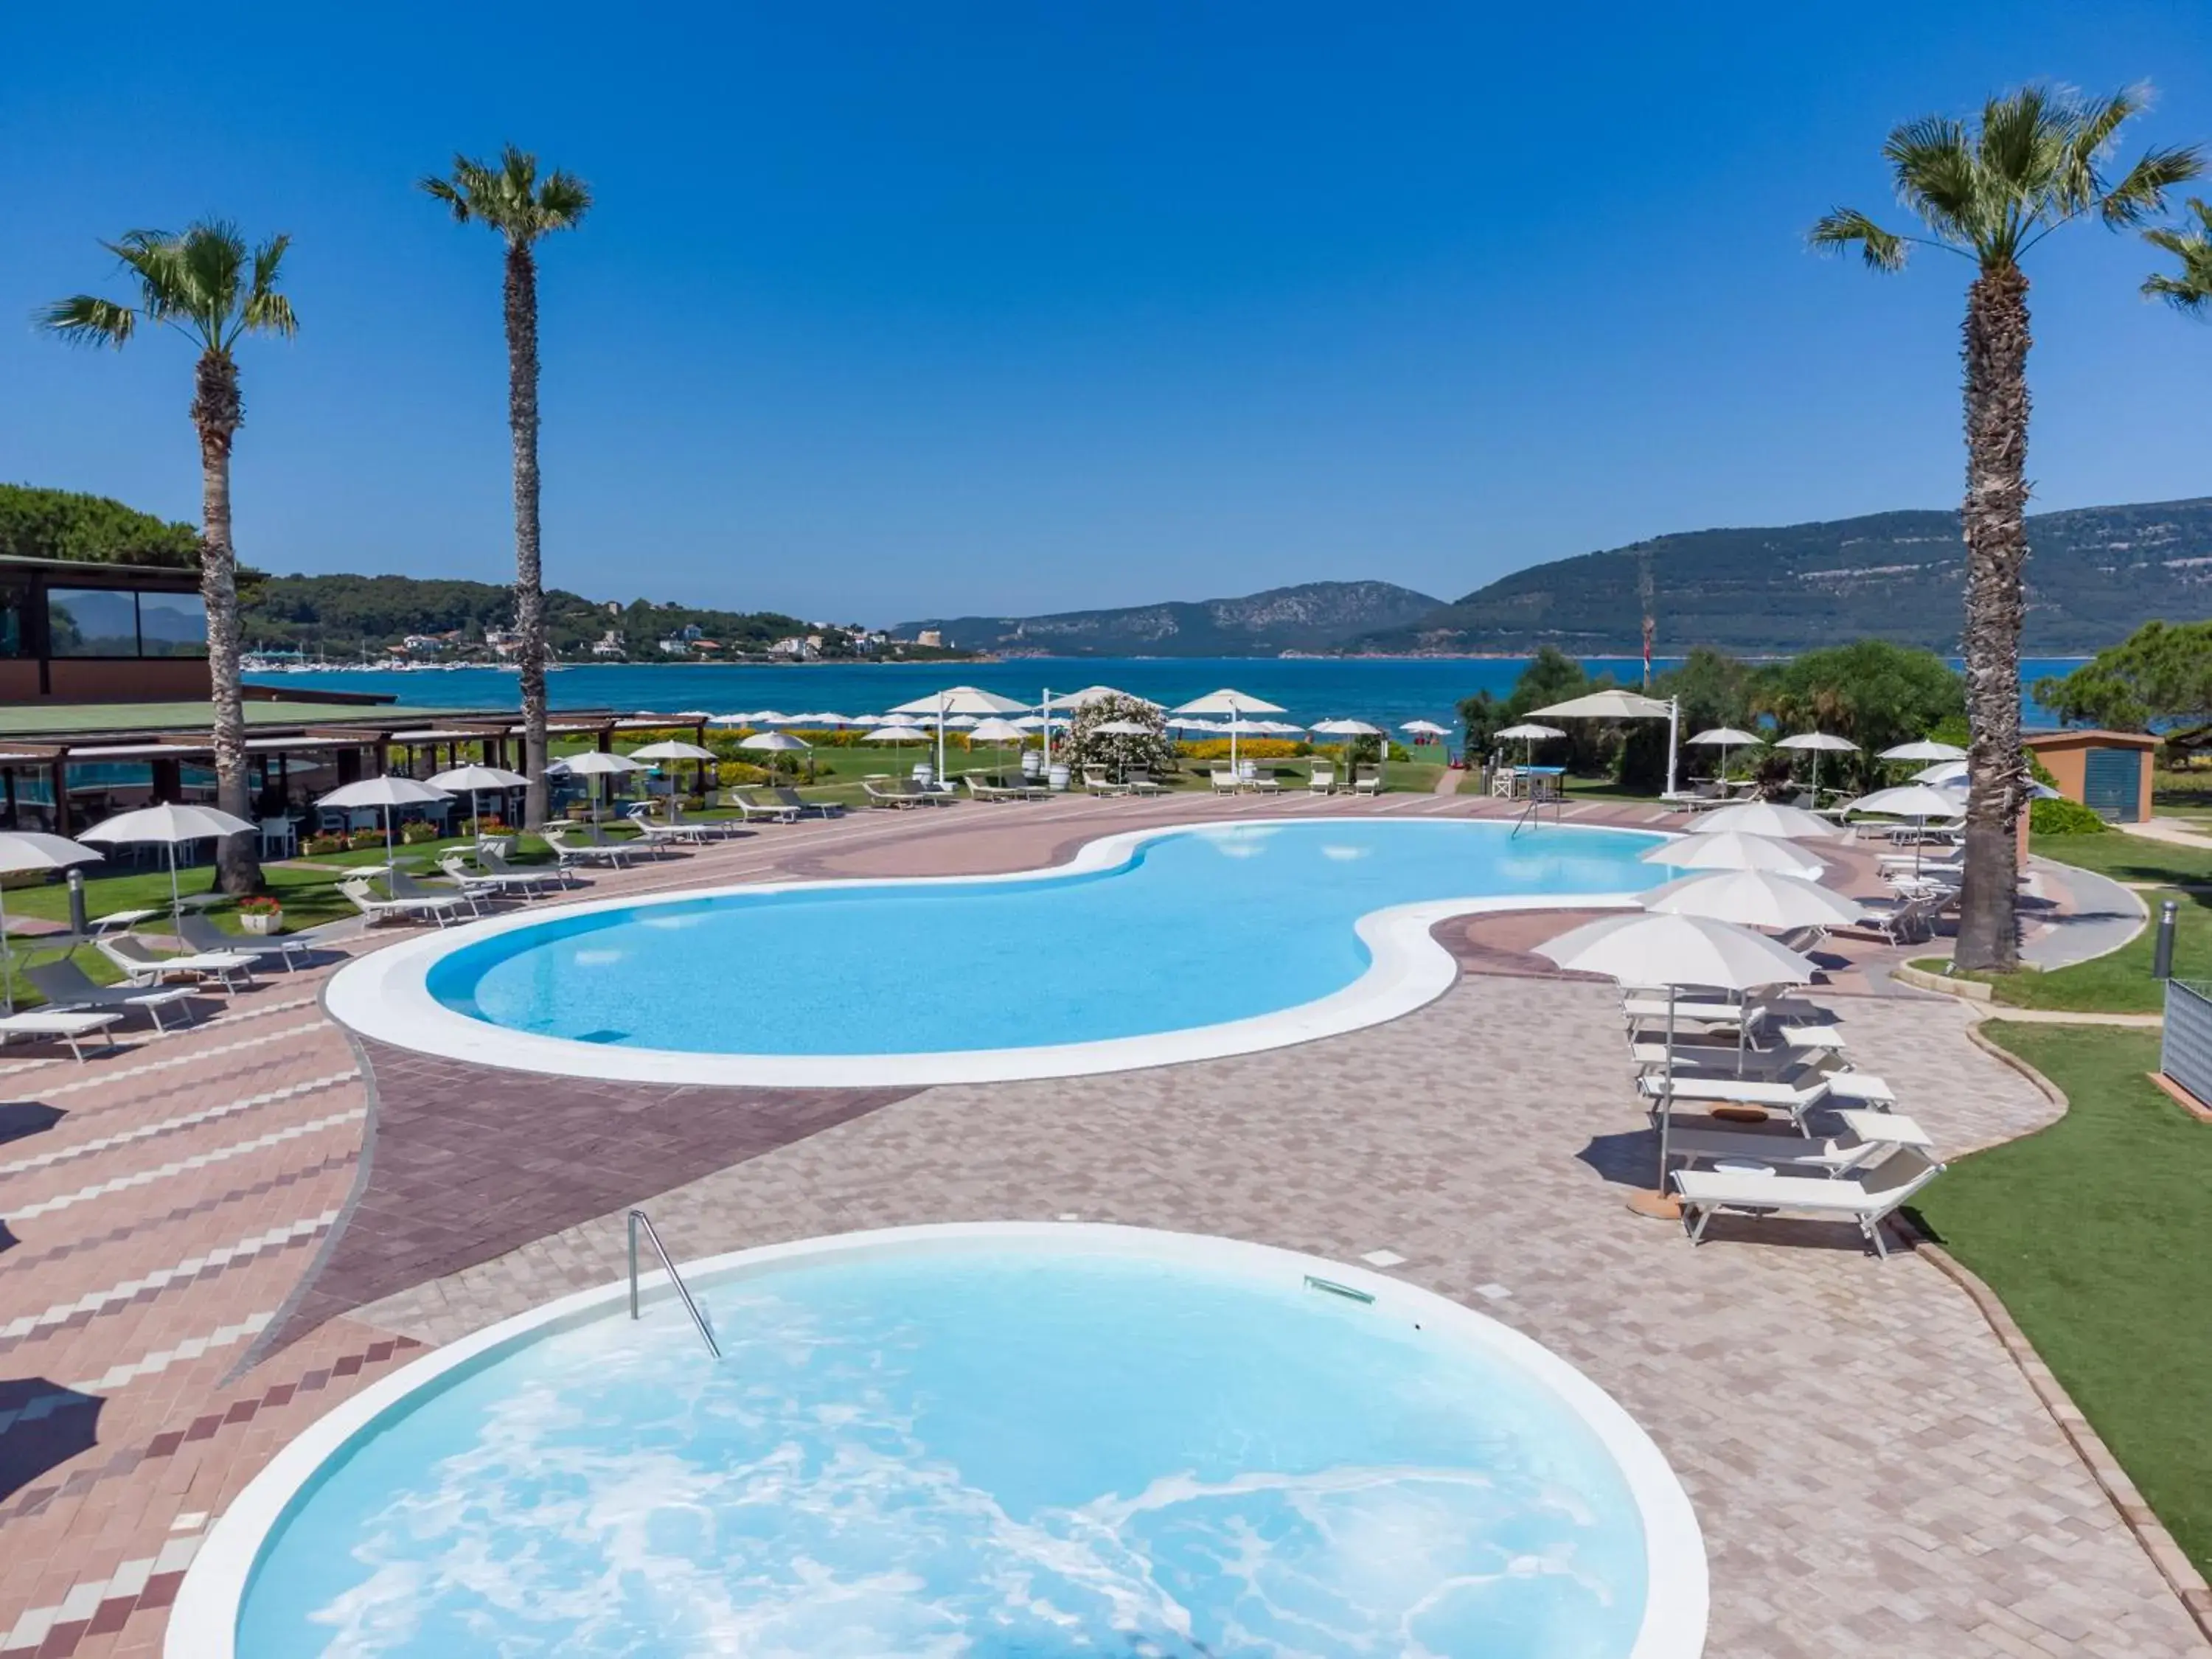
{"x": 66, "y": 987}
{"x": 141, "y": 965}
{"x": 1866, "y": 1199}
{"x": 572, "y": 852}
{"x": 204, "y": 936}
{"x": 58, "y": 1027}
{"x": 443, "y": 909}
{"x": 1224, "y": 781}
{"x": 1868, "y": 1138}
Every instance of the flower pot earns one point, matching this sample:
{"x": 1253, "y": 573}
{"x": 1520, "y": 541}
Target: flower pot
{"x": 260, "y": 921}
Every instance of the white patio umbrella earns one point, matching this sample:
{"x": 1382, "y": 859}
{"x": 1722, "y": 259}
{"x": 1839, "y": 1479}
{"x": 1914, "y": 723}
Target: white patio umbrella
{"x": 729, "y": 720}
{"x": 675, "y": 749}
{"x": 1725, "y": 737}
{"x": 170, "y": 826}
{"x": 1123, "y": 729}
{"x": 779, "y": 742}
{"x": 1951, "y": 775}
{"x": 1426, "y": 729}
{"x": 473, "y": 780}
{"x": 29, "y": 849}
{"x": 599, "y": 763}
{"x": 1820, "y": 742}
{"x": 1917, "y": 801}
{"x": 1753, "y": 898}
{"x": 1349, "y": 729}
{"x": 1619, "y": 705}
{"x": 1530, "y": 734}
{"x": 1923, "y": 748}
{"x": 959, "y": 700}
{"x": 1000, "y": 732}
{"x": 1765, "y": 818}
{"x": 1091, "y": 693}
{"x": 384, "y": 792}
{"x": 895, "y": 734}
{"x": 1654, "y": 948}
{"x": 1235, "y": 704}
{"x": 1734, "y": 850}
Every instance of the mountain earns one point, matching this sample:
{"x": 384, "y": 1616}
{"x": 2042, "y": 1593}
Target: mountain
{"x": 1315, "y": 617}
{"x": 2094, "y": 575}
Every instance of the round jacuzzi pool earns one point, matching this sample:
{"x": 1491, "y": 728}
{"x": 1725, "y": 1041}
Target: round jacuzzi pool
{"x": 991, "y": 1440}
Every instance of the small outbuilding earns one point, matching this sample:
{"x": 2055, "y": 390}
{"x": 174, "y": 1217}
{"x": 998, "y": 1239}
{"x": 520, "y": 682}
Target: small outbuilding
{"x": 2108, "y": 772}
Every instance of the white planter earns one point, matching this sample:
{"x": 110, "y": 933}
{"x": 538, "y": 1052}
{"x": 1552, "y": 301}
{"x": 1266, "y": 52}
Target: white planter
{"x": 260, "y": 921}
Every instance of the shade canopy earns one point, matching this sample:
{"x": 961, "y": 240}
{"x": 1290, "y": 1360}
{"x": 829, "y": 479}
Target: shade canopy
{"x": 1753, "y": 898}
{"x": 1122, "y": 729}
{"x": 1926, "y": 749}
{"x": 1346, "y": 729}
{"x": 1649, "y": 948}
{"x": 1765, "y": 818}
{"x": 825, "y": 719}
{"x": 1732, "y": 850}
{"x": 1530, "y": 732}
{"x": 1912, "y": 800}
{"x": 996, "y": 730}
{"x": 963, "y": 699}
{"x": 1613, "y": 705}
{"x": 1091, "y": 693}
{"x": 778, "y": 742}
{"x": 895, "y": 734}
{"x": 672, "y": 749}
{"x": 1825, "y": 741}
{"x": 385, "y": 791}
{"x": 1227, "y": 701}
{"x": 730, "y": 719}
{"x": 1951, "y": 775}
{"x": 30, "y": 849}
{"x": 1426, "y": 729}
{"x": 594, "y": 762}
{"x": 171, "y": 825}
{"x": 468, "y": 780}
{"x": 1726, "y": 737}
{"x": 1037, "y": 722}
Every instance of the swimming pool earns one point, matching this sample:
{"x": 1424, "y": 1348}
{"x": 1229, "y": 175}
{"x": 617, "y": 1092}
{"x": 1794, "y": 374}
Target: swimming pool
{"x": 991, "y": 1440}
{"x": 1149, "y": 947}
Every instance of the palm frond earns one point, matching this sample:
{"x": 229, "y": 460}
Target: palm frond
{"x": 87, "y": 319}
{"x": 509, "y": 196}
{"x": 265, "y": 310}
{"x": 443, "y": 191}
{"x": 2190, "y": 291}
{"x": 563, "y": 199}
{"x": 216, "y": 255}
{"x": 2143, "y": 191}
{"x": 1847, "y": 227}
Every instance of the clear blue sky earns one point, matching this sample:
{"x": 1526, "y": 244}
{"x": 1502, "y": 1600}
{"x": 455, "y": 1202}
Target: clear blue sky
{"x": 896, "y": 309}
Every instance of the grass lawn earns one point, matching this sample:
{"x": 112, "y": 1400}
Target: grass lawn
{"x": 2116, "y": 984}
{"x": 2127, "y": 858}
{"x": 2095, "y": 1233}
{"x": 2186, "y": 794}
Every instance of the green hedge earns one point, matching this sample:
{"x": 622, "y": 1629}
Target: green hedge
{"x": 2064, "y": 817}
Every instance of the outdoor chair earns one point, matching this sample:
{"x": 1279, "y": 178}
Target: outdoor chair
{"x": 1322, "y": 781}
{"x": 886, "y": 794}
{"x": 1224, "y": 781}
{"x": 1867, "y": 1199}
{"x": 983, "y": 791}
{"x": 1868, "y": 1139}
{"x": 1140, "y": 781}
{"x": 201, "y": 934}
{"x": 358, "y": 893}
{"x": 1096, "y": 782}
{"x": 1367, "y": 780}
{"x": 143, "y": 966}
{"x": 750, "y": 808}
{"x": 56, "y": 1027}
{"x": 494, "y": 860}
{"x": 402, "y": 885}
{"x": 65, "y": 986}
{"x": 806, "y": 808}
{"x": 591, "y": 852}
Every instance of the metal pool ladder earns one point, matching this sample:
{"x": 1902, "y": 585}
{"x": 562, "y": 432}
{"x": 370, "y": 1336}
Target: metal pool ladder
{"x": 1532, "y": 816}
{"x": 640, "y": 1218}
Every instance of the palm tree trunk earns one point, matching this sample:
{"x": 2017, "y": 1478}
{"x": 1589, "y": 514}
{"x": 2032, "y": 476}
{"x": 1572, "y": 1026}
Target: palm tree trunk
{"x": 217, "y": 413}
{"x": 529, "y": 584}
{"x": 1994, "y": 517}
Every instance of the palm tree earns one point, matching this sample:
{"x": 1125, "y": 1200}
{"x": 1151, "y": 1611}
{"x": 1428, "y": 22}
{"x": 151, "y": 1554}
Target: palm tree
{"x": 2036, "y": 162}
{"x": 210, "y": 288}
{"x": 521, "y": 207}
{"x": 2191, "y": 291}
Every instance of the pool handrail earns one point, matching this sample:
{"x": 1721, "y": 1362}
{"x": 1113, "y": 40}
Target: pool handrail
{"x": 640, "y": 1218}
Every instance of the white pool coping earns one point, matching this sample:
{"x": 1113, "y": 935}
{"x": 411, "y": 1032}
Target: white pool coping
{"x": 204, "y": 1622}
{"x": 386, "y": 995}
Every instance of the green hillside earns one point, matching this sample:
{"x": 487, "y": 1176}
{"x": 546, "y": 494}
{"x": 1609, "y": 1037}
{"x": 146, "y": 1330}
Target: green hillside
{"x": 1313, "y": 616}
{"x": 2095, "y": 574}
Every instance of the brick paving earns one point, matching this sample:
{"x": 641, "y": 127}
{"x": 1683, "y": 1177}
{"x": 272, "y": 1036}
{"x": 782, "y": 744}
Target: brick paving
{"x": 213, "y": 1236}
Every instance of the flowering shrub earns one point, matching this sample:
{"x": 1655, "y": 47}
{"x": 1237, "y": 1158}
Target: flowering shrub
{"x": 1085, "y": 745}
{"x": 261, "y": 904}
{"x": 321, "y": 846}
{"x": 415, "y": 833}
{"x": 1214, "y": 748}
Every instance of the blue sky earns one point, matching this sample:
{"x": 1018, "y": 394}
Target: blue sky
{"x": 889, "y": 310}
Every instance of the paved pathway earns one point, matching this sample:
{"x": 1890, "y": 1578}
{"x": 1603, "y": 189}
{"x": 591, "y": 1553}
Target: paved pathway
{"x": 2090, "y": 915}
{"x": 2173, "y": 831}
{"x": 1872, "y": 1473}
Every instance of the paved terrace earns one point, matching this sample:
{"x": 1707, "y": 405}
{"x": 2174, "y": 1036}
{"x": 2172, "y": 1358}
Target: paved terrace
{"x": 214, "y": 1236}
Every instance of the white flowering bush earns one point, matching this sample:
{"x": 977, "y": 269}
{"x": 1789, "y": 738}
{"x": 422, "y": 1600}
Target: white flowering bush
{"x": 1085, "y": 744}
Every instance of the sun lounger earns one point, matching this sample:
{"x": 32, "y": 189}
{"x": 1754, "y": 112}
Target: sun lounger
{"x": 475, "y": 884}
{"x": 1322, "y": 781}
{"x": 750, "y": 809}
{"x": 656, "y": 834}
{"x": 203, "y": 935}
{"x": 57, "y": 1027}
{"x": 806, "y": 808}
{"x": 984, "y": 790}
{"x": 578, "y": 852}
{"x": 1868, "y": 1138}
{"x": 1798, "y": 1097}
{"x": 1259, "y": 782}
{"x": 1224, "y": 781}
{"x": 65, "y": 986}
{"x": 402, "y": 885}
{"x": 1866, "y": 1199}
{"x": 1138, "y": 781}
{"x": 895, "y": 794}
{"x": 1367, "y": 780}
{"x": 445, "y": 908}
{"x": 495, "y": 863}
{"x": 1096, "y": 782}
{"x": 141, "y": 965}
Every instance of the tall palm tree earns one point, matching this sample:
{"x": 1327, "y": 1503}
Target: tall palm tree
{"x": 2036, "y": 161}
{"x": 511, "y": 199}
{"x": 2191, "y": 291}
{"x": 208, "y": 286}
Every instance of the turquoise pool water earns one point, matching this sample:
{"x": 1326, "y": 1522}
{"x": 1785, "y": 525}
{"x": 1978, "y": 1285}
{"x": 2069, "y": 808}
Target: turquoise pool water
{"x": 978, "y": 1451}
{"x": 1201, "y": 927}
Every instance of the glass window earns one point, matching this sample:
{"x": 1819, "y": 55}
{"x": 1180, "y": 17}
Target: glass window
{"x": 172, "y": 624}
{"x": 92, "y": 622}
{"x": 13, "y": 602}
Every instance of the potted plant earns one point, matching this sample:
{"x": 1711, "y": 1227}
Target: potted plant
{"x": 260, "y": 913}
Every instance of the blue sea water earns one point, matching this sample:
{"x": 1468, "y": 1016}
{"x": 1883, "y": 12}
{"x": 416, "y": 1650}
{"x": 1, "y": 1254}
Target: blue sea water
{"x": 1204, "y": 926}
{"x": 1387, "y": 691}
{"x": 976, "y": 1452}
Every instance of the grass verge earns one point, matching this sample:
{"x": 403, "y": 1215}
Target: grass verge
{"x": 2127, "y": 858}
{"x": 2119, "y": 983}
{"x": 2094, "y": 1233}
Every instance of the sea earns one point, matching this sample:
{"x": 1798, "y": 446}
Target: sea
{"x": 1383, "y": 690}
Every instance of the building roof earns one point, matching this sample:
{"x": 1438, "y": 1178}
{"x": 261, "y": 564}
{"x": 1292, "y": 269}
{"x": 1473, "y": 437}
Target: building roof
{"x": 2087, "y": 734}
{"x": 101, "y": 567}
{"x": 45, "y": 720}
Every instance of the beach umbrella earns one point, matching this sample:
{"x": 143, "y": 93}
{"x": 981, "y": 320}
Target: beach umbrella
{"x": 1000, "y": 731}
{"x": 1917, "y": 801}
{"x": 473, "y": 780}
{"x": 1764, "y": 817}
{"x": 598, "y": 764}
{"x": 729, "y": 720}
{"x": 780, "y": 743}
{"x": 1530, "y": 734}
{"x": 1725, "y": 737}
{"x": 384, "y": 792}
{"x": 1951, "y": 775}
{"x": 1754, "y": 898}
{"x": 1235, "y": 704}
{"x": 959, "y": 700}
{"x": 1924, "y": 749}
{"x": 1350, "y": 729}
{"x": 1821, "y": 742}
{"x": 1732, "y": 850}
{"x": 170, "y": 826}
{"x": 1091, "y": 693}
{"x": 1619, "y": 705}
{"x": 27, "y": 849}
{"x": 1655, "y": 948}
{"x": 675, "y": 749}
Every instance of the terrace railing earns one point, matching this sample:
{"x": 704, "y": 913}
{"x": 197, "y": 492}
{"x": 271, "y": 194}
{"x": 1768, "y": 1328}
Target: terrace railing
{"x": 2185, "y": 1047}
